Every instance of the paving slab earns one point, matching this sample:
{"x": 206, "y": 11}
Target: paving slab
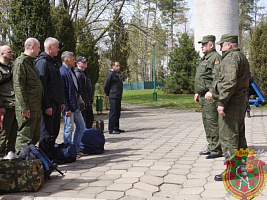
{"x": 157, "y": 158}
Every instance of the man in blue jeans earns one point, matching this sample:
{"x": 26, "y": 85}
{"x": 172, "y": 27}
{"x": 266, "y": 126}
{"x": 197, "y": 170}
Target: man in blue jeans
{"x": 71, "y": 114}
{"x": 113, "y": 89}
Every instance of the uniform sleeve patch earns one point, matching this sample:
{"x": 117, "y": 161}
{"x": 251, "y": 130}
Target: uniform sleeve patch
{"x": 217, "y": 62}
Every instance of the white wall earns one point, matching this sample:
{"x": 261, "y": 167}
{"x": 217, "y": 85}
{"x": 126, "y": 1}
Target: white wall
{"x": 214, "y": 17}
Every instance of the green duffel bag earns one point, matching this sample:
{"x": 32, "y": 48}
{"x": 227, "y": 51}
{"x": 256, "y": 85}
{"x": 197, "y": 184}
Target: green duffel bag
{"x": 19, "y": 175}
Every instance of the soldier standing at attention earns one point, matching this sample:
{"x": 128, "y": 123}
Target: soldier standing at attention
{"x": 230, "y": 90}
{"x": 203, "y": 87}
{"x": 28, "y": 95}
{"x": 8, "y": 133}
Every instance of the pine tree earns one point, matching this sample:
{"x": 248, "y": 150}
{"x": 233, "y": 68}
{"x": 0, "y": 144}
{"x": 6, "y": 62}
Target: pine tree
{"x": 86, "y": 47}
{"x": 182, "y": 66}
{"x": 64, "y": 30}
{"x": 4, "y": 25}
{"x": 118, "y": 46}
{"x": 173, "y": 13}
{"x": 29, "y": 18}
{"x": 258, "y": 56}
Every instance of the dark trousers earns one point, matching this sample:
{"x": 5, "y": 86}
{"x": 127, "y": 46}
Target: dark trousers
{"x": 49, "y": 130}
{"x": 88, "y": 116}
{"x": 114, "y": 114}
{"x": 9, "y": 133}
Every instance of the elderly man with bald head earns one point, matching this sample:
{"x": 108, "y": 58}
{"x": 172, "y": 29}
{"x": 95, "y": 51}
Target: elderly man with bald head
{"x": 7, "y": 102}
{"x": 28, "y": 95}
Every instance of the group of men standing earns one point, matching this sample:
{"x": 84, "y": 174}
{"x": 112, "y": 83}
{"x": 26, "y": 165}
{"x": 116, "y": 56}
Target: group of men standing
{"x": 34, "y": 93}
{"x": 221, "y": 82}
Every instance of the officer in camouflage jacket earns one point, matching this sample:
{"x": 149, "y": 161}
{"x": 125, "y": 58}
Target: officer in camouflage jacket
{"x": 203, "y": 87}
{"x": 7, "y": 102}
{"x": 232, "y": 81}
{"x": 28, "y": 94}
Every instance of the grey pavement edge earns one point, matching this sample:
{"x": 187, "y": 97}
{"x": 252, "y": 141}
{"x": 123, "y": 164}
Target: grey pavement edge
{"x": 156, "y": 159}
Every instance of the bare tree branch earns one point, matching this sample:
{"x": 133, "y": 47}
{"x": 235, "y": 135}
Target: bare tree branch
{"x": 108, "y": 27}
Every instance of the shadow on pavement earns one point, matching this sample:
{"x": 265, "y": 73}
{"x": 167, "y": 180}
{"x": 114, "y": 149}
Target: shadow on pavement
{"x": 119, "y": 139}
{"x": 259, "y": 116}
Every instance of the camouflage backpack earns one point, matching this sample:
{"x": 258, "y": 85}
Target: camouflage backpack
{"x": 19, "y": 175}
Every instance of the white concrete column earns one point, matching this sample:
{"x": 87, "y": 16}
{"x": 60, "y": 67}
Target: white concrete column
{"x": 214, "y": 17}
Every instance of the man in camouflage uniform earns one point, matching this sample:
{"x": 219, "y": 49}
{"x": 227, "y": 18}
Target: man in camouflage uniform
{"x": 28, "y": 94}
{"x": 7, "y": 102}
{"x": 232, "y": 81}
{"x": 203, "y": 88}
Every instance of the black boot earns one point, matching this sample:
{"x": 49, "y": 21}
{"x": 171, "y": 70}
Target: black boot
{"x": 248, "y": 114}
{"x": 218, "y": 177}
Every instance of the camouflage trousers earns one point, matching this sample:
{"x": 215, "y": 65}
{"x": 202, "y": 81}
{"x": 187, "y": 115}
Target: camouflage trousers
{"x": 210, "y": 122}
{"x": 232, "y": 127}
{"x": 28, "y": 129}
{"x": 9, "y": 133}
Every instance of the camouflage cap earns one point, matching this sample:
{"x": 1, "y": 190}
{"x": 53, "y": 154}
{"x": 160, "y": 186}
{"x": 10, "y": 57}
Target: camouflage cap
{"x": 208, "y": 38}
{"x": 228, "y": 38}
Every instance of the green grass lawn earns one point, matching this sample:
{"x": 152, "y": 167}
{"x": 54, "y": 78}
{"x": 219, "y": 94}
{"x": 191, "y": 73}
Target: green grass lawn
{"x": 173, "y": 101}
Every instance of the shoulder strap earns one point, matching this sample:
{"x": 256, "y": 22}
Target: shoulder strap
{"x": 46, "y": 161}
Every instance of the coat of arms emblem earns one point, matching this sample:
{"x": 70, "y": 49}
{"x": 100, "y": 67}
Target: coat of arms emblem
{"x": 244, "y": 177}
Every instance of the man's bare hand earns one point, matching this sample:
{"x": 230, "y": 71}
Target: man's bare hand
{"x": 196, "y": 98}
{"x": 208, "y": 96}
{"x": 221, "y": 111}
{"x": 49, "y": 111}
{"x": 62, "y": 107}
{"x": 26, "y": 113}
{"x": 68, "y": 113}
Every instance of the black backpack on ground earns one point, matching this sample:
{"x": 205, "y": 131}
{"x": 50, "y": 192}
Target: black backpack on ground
{"x": 65, "y": 153}
{"x": 93, "y": 141}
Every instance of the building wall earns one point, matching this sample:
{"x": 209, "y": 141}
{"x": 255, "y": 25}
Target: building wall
{"x": 214, "y": 17}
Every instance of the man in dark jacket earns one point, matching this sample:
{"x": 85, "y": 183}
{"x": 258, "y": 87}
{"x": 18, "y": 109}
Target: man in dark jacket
{"x": 53, "y": 96}
{"x": 113, "y": 89}
{"x": 7, "y": 102}
{"x": 72, "y": 90}
{"x": 86, "y": 88}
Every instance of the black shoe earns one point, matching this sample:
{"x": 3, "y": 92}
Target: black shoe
{"x": 114, "y": 132}
{"x": 121, "y": 131}
{"x": 204, "y": 153}
{"x": 248, "y": 114}
{"x": 212, "y": 156}
{"x": 218, "y": 177}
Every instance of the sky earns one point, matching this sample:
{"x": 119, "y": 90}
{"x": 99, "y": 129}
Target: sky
{"x": 191, "y": 11}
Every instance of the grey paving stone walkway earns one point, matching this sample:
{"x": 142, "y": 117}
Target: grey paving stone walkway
{"x": 156, "y": 159}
